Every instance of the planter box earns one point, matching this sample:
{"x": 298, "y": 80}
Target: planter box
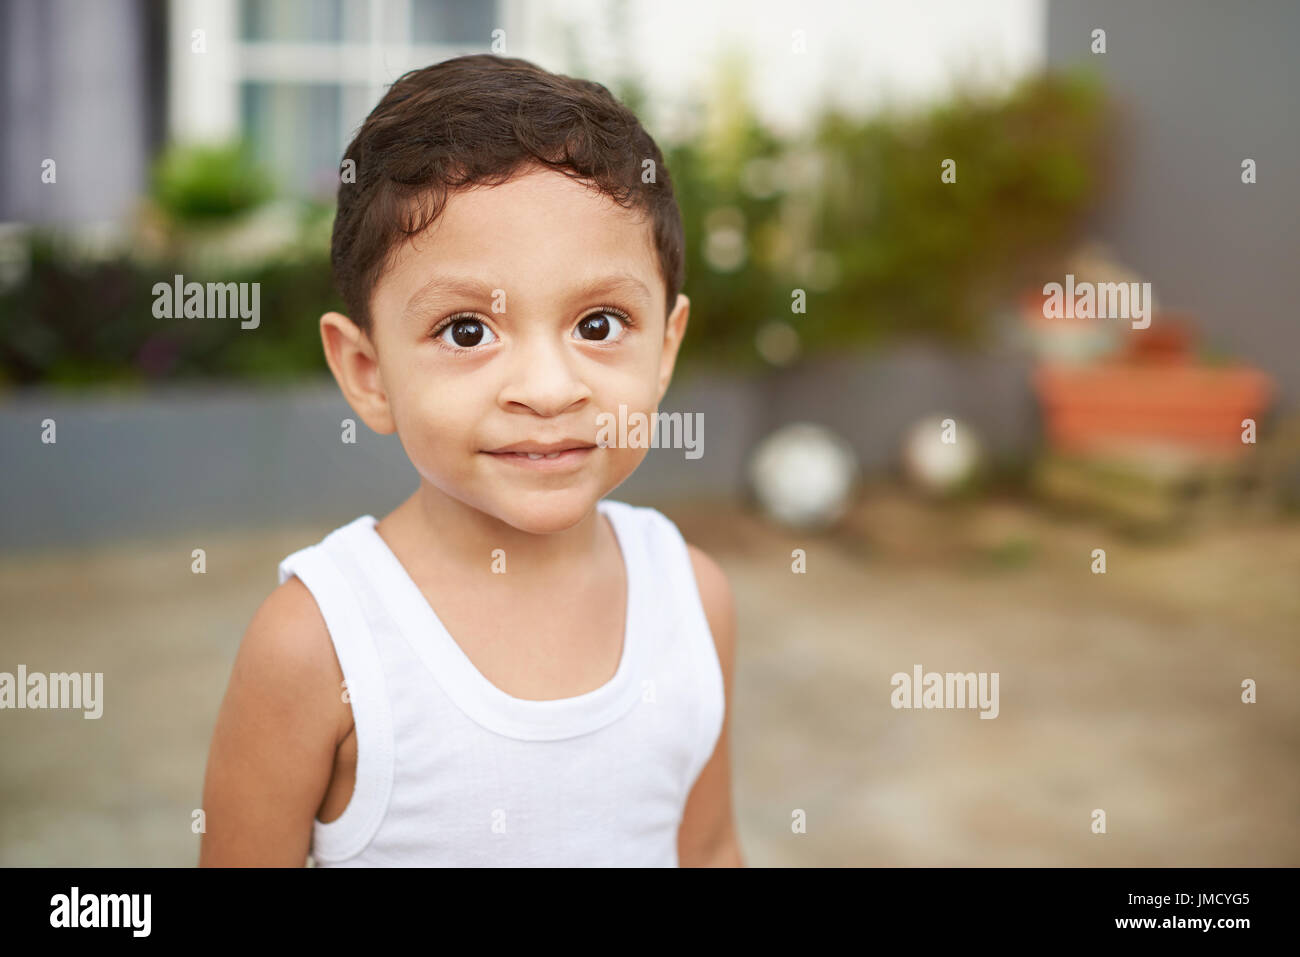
{"x": 182, "y": 459}
{"x": 1100, "y": 407}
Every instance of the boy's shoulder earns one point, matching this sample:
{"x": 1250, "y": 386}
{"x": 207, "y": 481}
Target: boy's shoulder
{"x": 288, "y": 654}
{"x": 309, "y": 581}
{"x": 289, "y": 619}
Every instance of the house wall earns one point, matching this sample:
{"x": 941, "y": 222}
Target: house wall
{"x": 74, "y": 87}
{"x": 1204, "y": 85}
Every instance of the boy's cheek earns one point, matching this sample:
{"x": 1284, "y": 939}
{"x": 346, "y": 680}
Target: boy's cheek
{"x": 628, "y": 397}
{"x": 623, "y": 462}
{"x": 433, "y": 405}
{"x": 434, "y": 434}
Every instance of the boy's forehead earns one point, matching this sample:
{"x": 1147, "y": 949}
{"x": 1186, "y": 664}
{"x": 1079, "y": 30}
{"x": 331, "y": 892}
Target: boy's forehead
{"x": 540, "y": 230}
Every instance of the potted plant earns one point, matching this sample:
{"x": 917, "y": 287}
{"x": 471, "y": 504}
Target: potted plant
{"x": 1153, "y": 390}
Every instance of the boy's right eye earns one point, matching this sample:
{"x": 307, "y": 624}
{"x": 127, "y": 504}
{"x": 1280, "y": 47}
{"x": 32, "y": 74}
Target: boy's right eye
{"x": 465, "y": 333}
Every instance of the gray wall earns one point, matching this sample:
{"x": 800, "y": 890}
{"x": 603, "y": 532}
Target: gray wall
{"x": 170, "y": 461}
{"x": 1203, "y": 85}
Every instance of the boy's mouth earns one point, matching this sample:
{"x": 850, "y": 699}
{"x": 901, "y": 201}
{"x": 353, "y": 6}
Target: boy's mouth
{"x": 544, "y": 455}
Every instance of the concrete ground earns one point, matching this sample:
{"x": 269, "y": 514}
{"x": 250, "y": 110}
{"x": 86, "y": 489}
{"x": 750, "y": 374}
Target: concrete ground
{"x": 1119, "y": 692}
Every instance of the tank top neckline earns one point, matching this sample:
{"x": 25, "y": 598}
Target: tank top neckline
{"x": 469, "y": 688}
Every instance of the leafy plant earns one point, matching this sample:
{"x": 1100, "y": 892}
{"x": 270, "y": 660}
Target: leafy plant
{"x": 855, "y": 214}
{"x": 73, "y": 323}
{"x": 201, "y": 183}
{"x": 881, "y": 246}
{"x": 919, "y": 256}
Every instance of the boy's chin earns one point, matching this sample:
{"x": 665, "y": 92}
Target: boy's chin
{"x": 547, "y": 512}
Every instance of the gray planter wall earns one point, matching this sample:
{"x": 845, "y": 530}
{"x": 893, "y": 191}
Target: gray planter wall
{"x": 169, "y": 461}
{"x": 872, "y": 401}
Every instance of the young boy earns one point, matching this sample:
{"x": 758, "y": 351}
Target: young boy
{"x": 509, "y": 669}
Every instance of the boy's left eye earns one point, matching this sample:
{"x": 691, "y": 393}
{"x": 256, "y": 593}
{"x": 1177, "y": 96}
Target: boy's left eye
{"x": 603, "y": 326}
{"x": 466, "y": 333}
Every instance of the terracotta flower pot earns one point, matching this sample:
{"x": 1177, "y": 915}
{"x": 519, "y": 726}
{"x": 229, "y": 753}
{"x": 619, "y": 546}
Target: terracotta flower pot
{"x": 1171, "y": 338}
{"x": 1201, "y": 407}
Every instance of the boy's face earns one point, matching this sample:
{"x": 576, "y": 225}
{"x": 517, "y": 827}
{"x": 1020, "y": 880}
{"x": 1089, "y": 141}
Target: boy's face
{"x": 521, "y": 314}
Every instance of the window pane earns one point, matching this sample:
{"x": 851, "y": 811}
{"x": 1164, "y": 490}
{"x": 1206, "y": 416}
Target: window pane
{"x": 294, "y": 130}
{"x": 293, "y": 21}
{"x": 453, "y": 21}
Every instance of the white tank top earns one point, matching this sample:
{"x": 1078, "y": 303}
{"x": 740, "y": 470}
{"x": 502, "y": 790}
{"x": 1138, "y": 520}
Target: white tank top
{"x": 452, "y": 771}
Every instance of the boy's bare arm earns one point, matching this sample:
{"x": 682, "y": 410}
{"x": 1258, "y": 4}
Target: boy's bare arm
{"x": 707, "y": 835}
{"x": 272, "y": 752}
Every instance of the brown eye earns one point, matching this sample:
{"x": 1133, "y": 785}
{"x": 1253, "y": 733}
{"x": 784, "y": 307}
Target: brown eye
{"x": 602, "y": 326}
{"x": 466, "y": 334}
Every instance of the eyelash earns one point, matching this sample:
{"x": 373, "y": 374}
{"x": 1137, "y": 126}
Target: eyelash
{"x": 447, "y": 323}
{"x": 628, "y": 324}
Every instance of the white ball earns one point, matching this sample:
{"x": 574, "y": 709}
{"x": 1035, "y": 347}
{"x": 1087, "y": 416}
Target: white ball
{"x": 803, "y": 475}
{"x": 938, "y": 465}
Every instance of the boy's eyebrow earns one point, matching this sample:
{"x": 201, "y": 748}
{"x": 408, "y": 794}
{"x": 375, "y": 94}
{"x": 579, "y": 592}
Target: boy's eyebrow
{"x": 615, "y": 282}
{"x": 443, "y": 287}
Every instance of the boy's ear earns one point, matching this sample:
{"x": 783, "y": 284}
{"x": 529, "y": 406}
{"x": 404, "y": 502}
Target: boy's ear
{"x": 674, "y": 330}
{"x": 352, "y": 358}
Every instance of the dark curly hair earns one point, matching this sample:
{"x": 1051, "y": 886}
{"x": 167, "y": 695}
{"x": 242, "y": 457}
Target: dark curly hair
{"x": 478, "y": 120}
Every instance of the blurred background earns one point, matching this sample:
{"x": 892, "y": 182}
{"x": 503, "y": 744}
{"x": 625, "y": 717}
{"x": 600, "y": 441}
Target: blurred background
{"x": 885, "y": 402}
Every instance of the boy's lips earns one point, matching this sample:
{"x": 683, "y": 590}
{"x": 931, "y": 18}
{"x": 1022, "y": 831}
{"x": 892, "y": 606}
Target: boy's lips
{"x": 544, "y": 456}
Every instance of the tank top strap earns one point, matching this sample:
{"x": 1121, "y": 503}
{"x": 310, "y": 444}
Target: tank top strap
{"x": 665, "y": 549}
{"x": 332, "y": 586}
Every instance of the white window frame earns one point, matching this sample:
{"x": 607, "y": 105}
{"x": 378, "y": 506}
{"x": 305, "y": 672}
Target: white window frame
{"x": 204, "y": 88}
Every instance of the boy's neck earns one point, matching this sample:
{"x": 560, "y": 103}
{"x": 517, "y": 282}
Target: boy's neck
{"x": 437, "y": 530}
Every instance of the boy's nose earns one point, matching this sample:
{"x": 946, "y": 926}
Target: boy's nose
{"x": 542, "y": 378}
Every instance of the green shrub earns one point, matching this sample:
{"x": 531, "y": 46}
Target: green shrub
{"x": 199, "y": 183}
{"x": 74, "y": 323}
{"x": 882, "y": 248}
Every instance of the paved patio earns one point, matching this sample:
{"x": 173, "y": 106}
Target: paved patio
{"x": 1117, "y": 691}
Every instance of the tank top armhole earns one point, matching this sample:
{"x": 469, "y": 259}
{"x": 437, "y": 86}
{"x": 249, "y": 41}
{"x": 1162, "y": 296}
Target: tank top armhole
{"x": 710, "y": 703}
{"x": 347, "y": 835}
